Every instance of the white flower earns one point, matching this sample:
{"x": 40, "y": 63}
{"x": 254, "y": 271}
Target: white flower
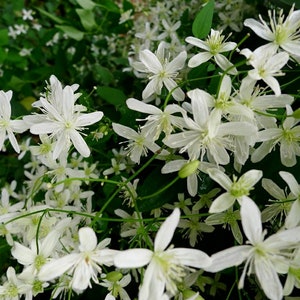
{"x": 34, "y": 258}
{"x": 267, "y": 64}
{"x": 83, "y": 265}
{"x": 166, "y": 267}
{"x": 286, "y": 135}
{"x": 238, "y": 189}
{"x": 63, "y": 119}
{"x": 162, "y": 72}
{"x": 8, "y": 126}
{"x": 213, "y": 46}
{"x": 264, "y": 257}
{"x": 206, "y": 134}
{"x": 138, "y": 142}
{"x": 158, "y": 121}
{"x": 280, "y": 33}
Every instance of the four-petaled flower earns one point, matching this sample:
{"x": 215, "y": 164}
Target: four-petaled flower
{"x": 166, "y": 266}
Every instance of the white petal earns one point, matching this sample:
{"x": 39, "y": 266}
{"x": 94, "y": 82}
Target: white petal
{"x": 227, "y": 258}
{"x": 24, "y": 255}
{"x": 220, "y": 177}
{"x": 273, "y": 84}
{"x": 292, "y": 219}
{"x": 177, "y": 63}
{"x": 81, "y": 276}
{"x": 251, "y": 220}
{"x": 197, "y": 42}
{"x": 199, "y": 59}
{"x": 291, "y": 182}
{"x": 153, "y": 284}
{"x": 44, "y": 128}
{"x": 87, "y": 239}
{"x": 124, "y": 131}
{"x": 140, "y": 106}
{"x": 166, "y": 231}
{"x": 261, "y": 30}
{"x": 57, "y": 267}
{"x": 225, "y": 64}
{"x": 88, "y": 119}
{"x": 79, "y": 143}
{"x": 150, "y": 61}
{"x": 133, "y": 258}
{"x": 49, "y": 243}
{"x": 222, "y": 203}
{"x": 191, "y": 257}
{"x": 251, "y": 177}
{"x": 268, "y": 279}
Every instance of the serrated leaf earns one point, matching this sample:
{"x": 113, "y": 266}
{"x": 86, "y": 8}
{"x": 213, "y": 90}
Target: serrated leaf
{"x": 112, "y": 95}
{"x": 87, "y": 18}
{"x": 203, "y": 21}
{"x": 52, "y": 17}
{"x": 86, "y": 4}
{"x": 71, "y": 32}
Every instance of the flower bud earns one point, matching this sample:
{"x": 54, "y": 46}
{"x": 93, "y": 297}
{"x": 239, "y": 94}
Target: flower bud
{"x": 188, "y": 169}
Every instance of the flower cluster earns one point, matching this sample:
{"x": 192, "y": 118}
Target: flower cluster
{"x": 206, "y": 138}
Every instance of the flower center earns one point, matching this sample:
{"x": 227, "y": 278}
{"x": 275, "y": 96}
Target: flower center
{"x": 239, "y": 188}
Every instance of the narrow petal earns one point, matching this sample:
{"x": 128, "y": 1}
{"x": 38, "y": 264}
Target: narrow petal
{"x": 81, "y": 277}
{"x": 227, "y": 258}
{"x": 291, "y": 182}
{"x": 150, "y": 61}
{"x": 251, "y": 220}
{"x": 197, "y": 42}
{"x": 191, "y": 257}
{"x": 88, "y": 119}
{"x": 44, "y": 128}
{"x": 220, "y": 177}
{"x": 24, "y": 255}
{"x": 87, "y": 239}
{"x": 79, "y": 143}
{"x": 49, "y": 243}
{"x": 292, "y": 219}
{"x": 225, "y": 64}
{"x": 140, "y": 106}
{"x": 250, "y": 178}
{"x": 57, "y": 267}
{"x": 261, "y": 30}
{"x": 199, "y": 59}
{"x": 133, "y": 258}
{"x": 166, "y": 231}
{"x": 268, "y": 279}
{"x": 124, "y": 131}
{"x": 177, "y": 63}
{"x": 273, "y": 84}
{"x": 222, "y": 203}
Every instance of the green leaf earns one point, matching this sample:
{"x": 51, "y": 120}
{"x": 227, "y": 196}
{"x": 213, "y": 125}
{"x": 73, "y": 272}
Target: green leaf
{"x": 3, "y": 37}
{"x": 109, "y": 5}
{"x": 282, "y": 3}
{"x": 72, "y": 32}
{"x": 112, "y": 95}
{"x": 86, "y": 4}
{"x": 52, "y": 17}
{"x": 87, "y": 18}
{"x": 203, "y": 21}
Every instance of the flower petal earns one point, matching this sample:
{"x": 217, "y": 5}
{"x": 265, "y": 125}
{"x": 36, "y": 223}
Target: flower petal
{"x": 227, "y": 258}
{"x": 133, "y": 258}
{"x": 166, "y": 231}
{"x": 87, "y": 239}
{"x": 222, "y": 203}
{"x": 251, "y": 220}
{"x": 191, "y": 257}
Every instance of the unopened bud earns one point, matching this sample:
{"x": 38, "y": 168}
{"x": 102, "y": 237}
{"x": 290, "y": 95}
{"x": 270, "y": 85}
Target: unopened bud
{"x": 189, "y": 169}
{"x": 114, "y": 276}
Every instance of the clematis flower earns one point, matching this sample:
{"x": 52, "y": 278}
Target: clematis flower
{"x": 83, "y": 265}
{"x": 62, "y": 119}
{"x": 138, "y": 142}
{"x": 8, "y": 126}
{"x": 166, "y": 266}
{"x": 264, "y": 257}
{"x": 266, "y": 65}
{"x": 238, "y": 189}
{"x": 281, "y": 32}
{"x": 161, "y": 72}
{"x": 213, "y": 46}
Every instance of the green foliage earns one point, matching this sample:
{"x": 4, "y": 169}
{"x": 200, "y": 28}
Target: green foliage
{"x": 203, "y": 21}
